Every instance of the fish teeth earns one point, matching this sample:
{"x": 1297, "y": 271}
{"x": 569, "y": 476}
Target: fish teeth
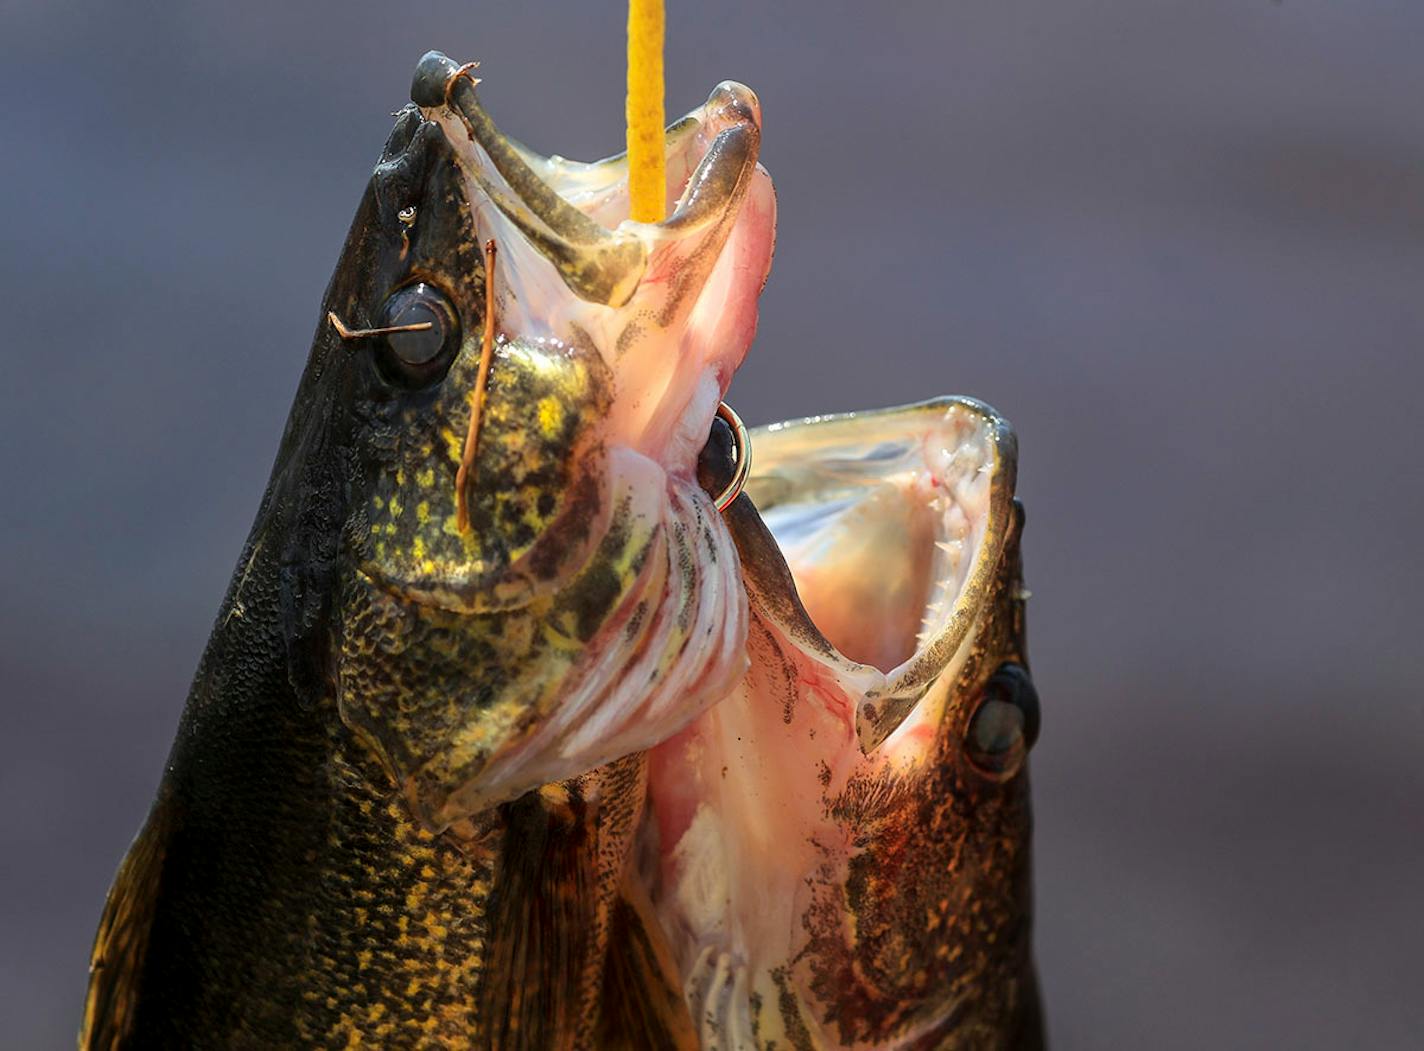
{"x": 953, "y": 550}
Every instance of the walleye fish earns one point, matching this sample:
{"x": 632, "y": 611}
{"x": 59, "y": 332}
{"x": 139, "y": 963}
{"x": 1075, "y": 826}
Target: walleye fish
{"x": 505, "y": 737}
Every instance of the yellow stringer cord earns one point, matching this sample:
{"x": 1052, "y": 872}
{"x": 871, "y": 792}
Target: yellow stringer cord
{"x": 647, "y": 181}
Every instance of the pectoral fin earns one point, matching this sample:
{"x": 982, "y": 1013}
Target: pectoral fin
{"x": 642, "y": 1007}
{"x": 542, "y": 926}
{"x": 120, "y": 946}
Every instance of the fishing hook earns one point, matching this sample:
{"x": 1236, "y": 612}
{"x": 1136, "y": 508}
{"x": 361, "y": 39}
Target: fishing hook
{"x": 464, "y": 71}
{"x": 362, "y": 333}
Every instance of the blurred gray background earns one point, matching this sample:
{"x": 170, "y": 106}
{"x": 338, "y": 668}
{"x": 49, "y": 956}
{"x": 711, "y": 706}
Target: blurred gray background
{"x": 1180, "y": 244}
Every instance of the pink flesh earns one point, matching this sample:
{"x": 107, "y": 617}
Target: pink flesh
{"x": 866, "y": 582}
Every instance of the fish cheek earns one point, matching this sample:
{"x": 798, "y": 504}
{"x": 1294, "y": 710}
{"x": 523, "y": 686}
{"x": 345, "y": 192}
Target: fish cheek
{"x": 936, "y": 892}
{"x": 932, "y": 895}
{"x": 435, "y": 694}
{"x": 536, "y": 496}
{"x": 453, "y": 645}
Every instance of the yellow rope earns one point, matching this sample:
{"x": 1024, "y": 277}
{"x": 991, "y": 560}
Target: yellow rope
{"x": 647, "y": 182}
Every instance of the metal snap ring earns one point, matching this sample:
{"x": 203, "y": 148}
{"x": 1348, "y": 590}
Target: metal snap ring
{"x": 742, "y": 440}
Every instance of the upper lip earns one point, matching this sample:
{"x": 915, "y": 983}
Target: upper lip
{"x": 600, "y": 264}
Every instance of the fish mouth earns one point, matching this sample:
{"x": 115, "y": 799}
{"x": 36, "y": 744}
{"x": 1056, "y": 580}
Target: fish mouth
{"x": 671, "y": 306}
{"x": 576, "y": 213}
{"x": 799, "y": 820}
{"x": 891, "y": 524}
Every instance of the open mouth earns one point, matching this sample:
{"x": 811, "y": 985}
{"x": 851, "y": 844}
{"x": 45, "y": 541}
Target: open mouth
{"x": 671, "y": 306}
{"x": 834, "y": 752}
{"x": 575, "y": 213}
{"x": 891, "y": 524}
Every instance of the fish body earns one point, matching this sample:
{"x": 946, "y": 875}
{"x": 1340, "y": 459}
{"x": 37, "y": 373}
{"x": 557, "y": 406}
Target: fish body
{"x": 500, "y": 716}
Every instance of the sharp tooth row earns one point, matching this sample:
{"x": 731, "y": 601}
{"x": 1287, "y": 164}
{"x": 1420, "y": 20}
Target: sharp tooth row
{"x": 953, "y": 522}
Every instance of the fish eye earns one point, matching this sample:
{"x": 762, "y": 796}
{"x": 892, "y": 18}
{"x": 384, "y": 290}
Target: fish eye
{"x": 420, "y": 355}
{"x": 1005, "y": 724}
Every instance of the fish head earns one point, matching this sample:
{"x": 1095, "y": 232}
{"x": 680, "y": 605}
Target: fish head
{"x": 869, "y": 775}
{"x": 584, "y": 601}
{"x": 402, "y": 329}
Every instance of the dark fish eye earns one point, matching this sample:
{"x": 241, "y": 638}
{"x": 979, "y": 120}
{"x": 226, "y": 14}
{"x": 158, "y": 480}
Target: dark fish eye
{"x": 1005, "y": 724}
{"x": 420, "y": 356}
